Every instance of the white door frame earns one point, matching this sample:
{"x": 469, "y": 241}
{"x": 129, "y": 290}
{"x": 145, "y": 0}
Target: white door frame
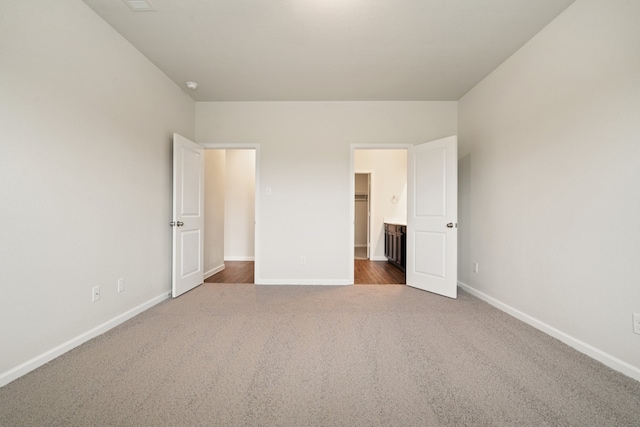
{"x": 247, "y": 146}
{"x": 352, "y": 191}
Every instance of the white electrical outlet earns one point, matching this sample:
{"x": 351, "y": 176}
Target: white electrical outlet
{"x": 636, "y": 323}
{"x": 95, "y": 294}
{"x": 303, "y": 260}
{"x": 121, "y": 285}
{"x": 475, "y": 267}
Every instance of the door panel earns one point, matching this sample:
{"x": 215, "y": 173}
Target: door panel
{"x": 188, "y": 215}
{"x": 433, "y": 246}
{"x": 191, "y": 174}
{"x": 432, "y": 195}
{"x": 430, "y": 186}
{"x": 190, "y": 246}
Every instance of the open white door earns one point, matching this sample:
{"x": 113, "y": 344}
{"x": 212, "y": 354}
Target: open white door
{"x": 188, "y": 215}
{"x": 432, "y": 211}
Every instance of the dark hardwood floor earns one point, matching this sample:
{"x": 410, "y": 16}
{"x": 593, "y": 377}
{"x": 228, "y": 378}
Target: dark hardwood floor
{"x": 234, "y": 272}
{"x": 365, "y": 273}
{"x": 377, "y": 273}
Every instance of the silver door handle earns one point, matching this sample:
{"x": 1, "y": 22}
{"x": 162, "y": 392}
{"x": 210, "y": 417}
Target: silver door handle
{"x": 176, "y": 223}
{"x": 451, "y": 225}
{"x": 180, "y": 223}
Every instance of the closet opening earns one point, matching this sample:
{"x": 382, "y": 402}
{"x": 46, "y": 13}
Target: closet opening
{"x": 362, "y": 214}
{"x": 230, "y": 213}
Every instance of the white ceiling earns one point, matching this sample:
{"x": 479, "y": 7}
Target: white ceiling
{"x": 329, "y": 50}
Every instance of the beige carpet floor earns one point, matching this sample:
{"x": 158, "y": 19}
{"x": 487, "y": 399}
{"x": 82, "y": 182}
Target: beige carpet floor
{"x": 238, "y": 355}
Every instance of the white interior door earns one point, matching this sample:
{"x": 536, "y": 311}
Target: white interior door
{"x": 432, "y": 210}
{"x": 188, "y": 215}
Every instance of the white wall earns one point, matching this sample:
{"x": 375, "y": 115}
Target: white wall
{"x": 550, "y": 173}
{"x": 305, "y": 161}
{"x": 389, "y": 172}
{"x": 239, "y": 208}
{"x": 85, "y": 171}
{"x": 214, "y": 210}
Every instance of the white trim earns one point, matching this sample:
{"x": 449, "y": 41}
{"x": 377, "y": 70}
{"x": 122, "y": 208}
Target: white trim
{"x": 324, "y": 282}
{"x": 591, "y": 351}
{"x": 30, "y": 365}
{"x": 379, "y": 258}
{"x": 361, "y": 245}
{"x": 213, "y": 271}
{"x": 373, "y": 146}
{"x": 230, "y": 146}
{"x": 239, "y": 258}
{"x": 352, "y": 214}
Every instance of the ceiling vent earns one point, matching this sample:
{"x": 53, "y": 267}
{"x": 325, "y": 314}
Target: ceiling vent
{"x": 140, "y": 5}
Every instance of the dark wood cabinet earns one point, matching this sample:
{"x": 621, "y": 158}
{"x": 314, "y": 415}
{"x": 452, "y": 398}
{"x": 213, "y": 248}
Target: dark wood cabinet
{"x": 395, "y": 244}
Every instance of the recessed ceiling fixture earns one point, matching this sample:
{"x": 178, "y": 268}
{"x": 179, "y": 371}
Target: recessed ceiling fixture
{"x": 140, "y": 5}
{"x": 192, "y": 85}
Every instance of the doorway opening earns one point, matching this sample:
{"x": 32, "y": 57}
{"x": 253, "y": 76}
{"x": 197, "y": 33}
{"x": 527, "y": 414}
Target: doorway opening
{"x": 230, "y": 213}
{"x": 362, "y": 217}
{"x": 380, "y": 197}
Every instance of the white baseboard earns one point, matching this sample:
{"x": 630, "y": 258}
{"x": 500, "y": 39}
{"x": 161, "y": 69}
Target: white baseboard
{"x": 378, "y": 258}
{"x": 306, "y": 282}
{"x": 36, "y": 362}
{"x": 213, "y": 271}
{"x": 239, "y": 258}
{"x": 591, "y": 351}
